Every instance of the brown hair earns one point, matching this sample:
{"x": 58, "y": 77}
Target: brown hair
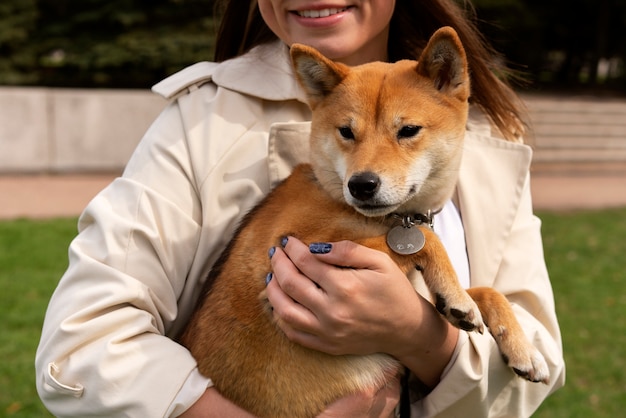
{"x": 412, "y": 24}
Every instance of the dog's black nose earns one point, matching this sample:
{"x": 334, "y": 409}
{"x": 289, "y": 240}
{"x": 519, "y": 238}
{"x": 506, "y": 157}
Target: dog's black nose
{"x": 363, "y": 186}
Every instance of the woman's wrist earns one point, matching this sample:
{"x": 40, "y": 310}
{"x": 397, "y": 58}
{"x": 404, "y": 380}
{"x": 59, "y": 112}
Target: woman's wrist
{"x": 435, "y": 340}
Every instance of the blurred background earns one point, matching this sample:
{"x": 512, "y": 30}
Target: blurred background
{"x": 104, "y": 44}
{"x": 559, "y": 45}
{"x": 75, "y": 77}
{"x": 75, "y": 100}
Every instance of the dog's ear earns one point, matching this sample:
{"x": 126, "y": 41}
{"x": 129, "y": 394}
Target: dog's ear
{"x": 317, "y": 74}
{"x": 444, "y": 61}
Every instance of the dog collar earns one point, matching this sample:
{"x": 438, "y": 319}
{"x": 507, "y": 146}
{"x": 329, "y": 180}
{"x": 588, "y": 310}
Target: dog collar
{"x": 427, "y": 218}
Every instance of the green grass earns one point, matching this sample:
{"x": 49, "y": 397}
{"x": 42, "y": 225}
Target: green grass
{"x": 33, "y": 255}
{"x": 584, "y": 252}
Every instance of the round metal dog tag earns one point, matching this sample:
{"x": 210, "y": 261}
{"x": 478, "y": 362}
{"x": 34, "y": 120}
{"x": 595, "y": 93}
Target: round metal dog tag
{"x": 405, "y": 240}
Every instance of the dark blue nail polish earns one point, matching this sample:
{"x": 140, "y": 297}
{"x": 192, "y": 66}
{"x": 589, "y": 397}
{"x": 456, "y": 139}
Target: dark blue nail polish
{"x": 268, "y": 278}
{"x": 320, "y": 248}
{"x": 271, "y": 252}
{"x": 283, "y": 242}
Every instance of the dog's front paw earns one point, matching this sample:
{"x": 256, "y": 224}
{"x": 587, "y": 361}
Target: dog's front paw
{"x": 528, "y": 363}
{"x": 462, "y": 312}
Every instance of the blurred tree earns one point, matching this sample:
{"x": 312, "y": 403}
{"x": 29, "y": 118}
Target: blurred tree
{"x": 560, "y": 44}
{"x": 120, "y": 43}
{"x": 17, "y": 22}
{"x": 134, "y": 43}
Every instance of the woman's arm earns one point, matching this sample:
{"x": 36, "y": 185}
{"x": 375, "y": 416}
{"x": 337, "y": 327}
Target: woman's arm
{"x": 103, "y": 347}
{"x": 367, "y": 404}
{"x": 478, "y": 382}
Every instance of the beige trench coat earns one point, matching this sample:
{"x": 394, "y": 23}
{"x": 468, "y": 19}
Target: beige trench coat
{"x": 147, "y": 241}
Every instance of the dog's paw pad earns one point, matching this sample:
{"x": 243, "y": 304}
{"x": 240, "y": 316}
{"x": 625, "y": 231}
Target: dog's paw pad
{"x": 464, "y": 314}
{"x": 532, "y": 368}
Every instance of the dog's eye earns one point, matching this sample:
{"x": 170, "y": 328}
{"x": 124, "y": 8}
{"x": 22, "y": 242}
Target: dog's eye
{"x": 408, "y": 131}
{"x": 346, "y": 132}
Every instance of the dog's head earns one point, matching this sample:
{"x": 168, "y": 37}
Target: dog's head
{"x": 388, "y": 137}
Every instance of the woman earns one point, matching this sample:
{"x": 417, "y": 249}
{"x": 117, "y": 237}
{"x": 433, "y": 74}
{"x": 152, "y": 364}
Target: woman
{"x": 234, "y": 130}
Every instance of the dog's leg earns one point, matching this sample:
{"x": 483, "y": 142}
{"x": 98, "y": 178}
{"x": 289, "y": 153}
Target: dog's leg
{"x": 451, "y": 300}
{"x": 517, "y": 351}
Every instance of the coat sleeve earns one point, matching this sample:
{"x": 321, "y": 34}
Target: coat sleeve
{"x": 477, "y": 382}
{"x": 104, "y": 348}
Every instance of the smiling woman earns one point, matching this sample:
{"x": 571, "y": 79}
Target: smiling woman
{"x": 352, "y": 34}
{"x": 234, "y": 130}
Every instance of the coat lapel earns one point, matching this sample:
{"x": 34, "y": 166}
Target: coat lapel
{"x": 271, "y": 59}
{"x": 492, "y": 178}
{"x": 288, "y": 146}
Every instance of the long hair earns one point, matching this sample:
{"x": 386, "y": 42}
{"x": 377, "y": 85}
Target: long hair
{"x": 412, "y": 24}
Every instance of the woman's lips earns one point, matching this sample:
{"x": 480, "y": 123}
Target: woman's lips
{"x": 315, "y": 14}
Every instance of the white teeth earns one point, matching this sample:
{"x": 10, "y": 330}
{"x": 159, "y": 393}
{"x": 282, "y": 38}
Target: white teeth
{"x": 320, "y": 13}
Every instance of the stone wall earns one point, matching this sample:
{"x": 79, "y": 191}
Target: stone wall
{"x": 577, "y": 133}
{"x": 72, "y": 130}
{"x": 46, "y": 130}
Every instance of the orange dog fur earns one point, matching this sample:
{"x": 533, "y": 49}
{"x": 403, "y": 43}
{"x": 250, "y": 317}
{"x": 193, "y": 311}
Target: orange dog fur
{"x": 385, "y": 139}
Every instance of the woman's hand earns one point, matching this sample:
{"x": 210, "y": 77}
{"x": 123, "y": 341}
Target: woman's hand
{"x": 370, "y": 404}
{"x": 350, "y": 299}
{"x": 213, "y": 404}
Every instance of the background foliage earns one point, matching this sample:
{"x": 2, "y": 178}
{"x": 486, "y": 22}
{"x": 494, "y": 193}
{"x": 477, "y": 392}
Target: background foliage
{"x": 560, "y": 44}
{"x": 101, "y": 43}
{"x": 574, "y": 44}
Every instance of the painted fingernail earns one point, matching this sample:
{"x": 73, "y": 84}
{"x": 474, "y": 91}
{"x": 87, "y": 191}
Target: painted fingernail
{"x": 271, "y": 252}
{"x": 283, "y": 242}
{"x": 268, "y": 278}
{"x": 320, "y": 248}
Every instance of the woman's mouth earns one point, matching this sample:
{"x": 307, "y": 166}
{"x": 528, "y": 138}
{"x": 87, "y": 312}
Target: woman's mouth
{"x": 314, "y": 14}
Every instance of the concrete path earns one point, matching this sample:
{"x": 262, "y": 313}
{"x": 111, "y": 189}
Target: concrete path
{"x": 49, "y": 196}
{"x": 44, "y": 196}
{"x": 562, "y": 193}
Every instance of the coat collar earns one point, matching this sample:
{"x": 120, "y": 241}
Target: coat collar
{"x": 272, "y": 60}
{"x": 492, "y": 178}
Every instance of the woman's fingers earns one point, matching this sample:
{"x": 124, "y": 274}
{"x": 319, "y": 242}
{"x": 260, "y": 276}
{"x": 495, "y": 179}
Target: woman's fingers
{"x": 290, "y": 273}
{"x": 325, "y": 263}
{"x": 293, "y": 297}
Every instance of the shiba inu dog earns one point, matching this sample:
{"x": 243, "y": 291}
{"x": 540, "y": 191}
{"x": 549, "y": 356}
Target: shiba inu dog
{"x": 386, "y": 143}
